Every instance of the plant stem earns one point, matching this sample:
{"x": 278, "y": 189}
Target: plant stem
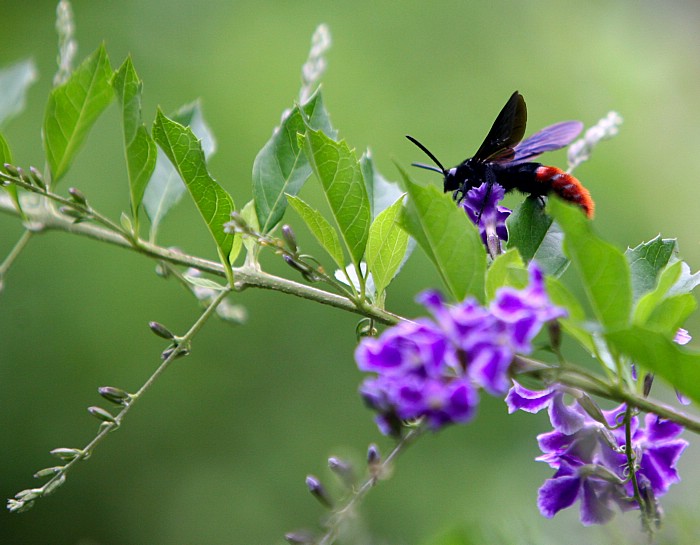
{"x": 109, "y": 427}
{"x": 244, "y": 276}
{"x": 14, "y": 253}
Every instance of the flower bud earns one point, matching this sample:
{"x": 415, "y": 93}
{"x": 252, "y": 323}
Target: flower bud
{"x": 53, "y": 484}
{"x": 115, "y": 395}
{"x": 29, "y": 494}
{"x": 343, "y": 470}
{"x": 72, "y": 213}
{"x": 161, "y": 330}
{"x": 290, "y": 238}
{"x": 648, "y": 381}
{"x": 47, "y": 472}
{"x": 101, "y": 414}
{"x": 294, "y": 264}
{"x": 374, "y": 457}
{"x": 318, "y": 491}
{"x": 67, "y": 454}
{"x": 11, "y": 169}
{"x": 37, "y": 178}
{"x": 77, "y": 196}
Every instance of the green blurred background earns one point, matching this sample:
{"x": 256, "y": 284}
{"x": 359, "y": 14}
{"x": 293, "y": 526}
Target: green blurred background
{"x": 217, "y": 452}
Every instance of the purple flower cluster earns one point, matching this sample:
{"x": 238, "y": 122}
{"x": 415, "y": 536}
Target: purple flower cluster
{"x": 432, "y": 368}
{"x": 588, "y": 451}
{"x": 481, "y": 205}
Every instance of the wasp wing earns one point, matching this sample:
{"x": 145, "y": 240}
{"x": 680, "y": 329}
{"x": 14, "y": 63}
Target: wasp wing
{"x": 506, "y": 131}
{"x": 548, "y": 139}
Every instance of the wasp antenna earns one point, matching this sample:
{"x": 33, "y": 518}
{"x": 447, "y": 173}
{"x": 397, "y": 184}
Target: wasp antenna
{"x": 428, "y": 153}
{"x": 428, "y": 167}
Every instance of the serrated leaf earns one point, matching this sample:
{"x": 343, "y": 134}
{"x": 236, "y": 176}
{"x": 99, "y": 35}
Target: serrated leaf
{"x": 507, "y": 269}
{"x": 139, "y": 146}
{"x": 447, "y": 236}
{"x": 386, "y": 246}
{"x": 72, "y": 110}
{"x": 15, "y": 80}
{"x": 281, "y": 167}
{"x": 185, "y": 153}
{"x": 602, "y": 267}
{"x": 656, "y": 352}
{"x": 319, "y": 226}
{"x": 339, "y": 172}
{"x": 646, "y": 261}
{"x": 165, "y": 188}
{"x": 6, "y": 157}
{"x": 537, "y": 237}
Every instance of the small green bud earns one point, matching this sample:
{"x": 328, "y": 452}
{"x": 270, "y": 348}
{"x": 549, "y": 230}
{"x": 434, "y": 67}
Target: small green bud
{"x": 115, "y": 395}
{"x": 11, "y": 169}
{"x": 37, "y": 178}
{"x": 101, "y": 414}
{"x": 47, "y": 472}
{"x": 23, "y": 175}
{"x": 180, "y": 352}
{"x": 29, "y": 494}
{"x": 72, "y": 213}
{"x": 53, "y": 484}
{"x": 161, "y": 330}
{"x": 78, "y": 196}
{"x": 18, "y": 506}
{"x": 290, "y": 238}
{"x": 67, "y": 454}
{"x": 126, "y": 224}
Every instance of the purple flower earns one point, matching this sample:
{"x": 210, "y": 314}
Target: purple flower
{"x": 592, "y": 467}
{"x": 566, "y": 418}
{"x": 481, "y": 205}
{"x": 432, "y": 368}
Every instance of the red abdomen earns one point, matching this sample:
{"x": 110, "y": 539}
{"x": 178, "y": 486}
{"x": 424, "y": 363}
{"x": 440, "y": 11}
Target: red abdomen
{"x": 567, "y": 187}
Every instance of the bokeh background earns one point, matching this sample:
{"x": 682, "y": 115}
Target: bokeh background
{"x": 218, "y": 450}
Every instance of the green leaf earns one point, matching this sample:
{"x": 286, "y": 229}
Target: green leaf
{"x": 537, "y": 237}
{"x": 447, "y": 236}
{"x": 185, "y": 153}
{"x": 646, "y": 305}
{"x": 14, "y": 83}
{"x": 324, "y": 232}
{"x": 249, "y": 216}
{"x": 339, "y": 172}
{"x": 281, "y": 168}
{"x": 72, "y": 110}
{"x": 506, "y": 270}
{"x": 165, "y": 188}
{"x": 656, "y": 352}
{"x": 602, "y": 267}
{"x": 139, "y": 146}
{"x": 687, "y": 281}
{"x": 574, "y": 323}
{"x": 201, "y": 282}
{"x": 646, "y": 261}
{"x": 386, "y": 246}
{"x": 381, "y": 192}
{"x": 6, "y": 157}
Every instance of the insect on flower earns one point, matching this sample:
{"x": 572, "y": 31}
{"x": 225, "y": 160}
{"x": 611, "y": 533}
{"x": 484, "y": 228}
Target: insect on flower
{"x": 503, "y": 159}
